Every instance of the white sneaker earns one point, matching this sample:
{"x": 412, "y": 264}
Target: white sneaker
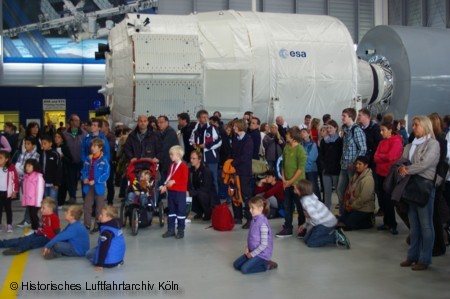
{"x": 10, "y": 228}
{"x": 23, "y": 224}
{"x": 29, "y": 233}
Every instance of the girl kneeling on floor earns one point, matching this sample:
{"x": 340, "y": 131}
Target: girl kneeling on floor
{"x": 259, "y": 242}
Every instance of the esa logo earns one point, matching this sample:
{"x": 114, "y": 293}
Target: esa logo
{"x": 295, "y": 54}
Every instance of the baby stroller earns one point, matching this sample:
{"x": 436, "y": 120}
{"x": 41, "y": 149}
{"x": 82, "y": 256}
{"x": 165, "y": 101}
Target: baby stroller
{"x": 140, "y": 214}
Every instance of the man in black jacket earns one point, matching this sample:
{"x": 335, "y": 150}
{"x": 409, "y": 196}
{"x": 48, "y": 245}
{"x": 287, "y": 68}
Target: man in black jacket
{"x": 255, "y": 134}
{"x": 168, "y": 138}
{"x": 185, "y": 127}
{"x": 143, "y": 142}
{"x": 201, "y": 187}
{"x": 242, "y": 162}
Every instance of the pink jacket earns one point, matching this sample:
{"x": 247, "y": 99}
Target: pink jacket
{"x": 33, "y": 189}
{"x": 12, "y": 181}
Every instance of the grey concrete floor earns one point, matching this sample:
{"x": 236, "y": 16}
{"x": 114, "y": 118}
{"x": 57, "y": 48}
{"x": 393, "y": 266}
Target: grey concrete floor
{"x": 201, "y": 266}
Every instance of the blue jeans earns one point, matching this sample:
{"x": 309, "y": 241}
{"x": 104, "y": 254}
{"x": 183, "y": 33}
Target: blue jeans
{"x": 214, "y": 167}
{"x": 344, "y": 179}
{"x": 64, "y": 248}
{"x": 25, "y": 243}
{"x": 249, "y": 266}
{"x": 320, "y": 236}
{"x": 53, "y": 193}
{"x": 291, "y": 199}
{"x": 421, "y": 231}
{"x": 313, "y": 178}
{"x": 328, "y": 182}
{"x": 90, "y": 254}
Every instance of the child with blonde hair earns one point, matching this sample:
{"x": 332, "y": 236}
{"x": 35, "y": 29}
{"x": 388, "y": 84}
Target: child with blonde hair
{"x": 49, "y": 229}
{"x": 176, "y": 187}
{"x": 259, "y": 242}
{"x": 73, "y": 240}
{"x": 110, "y": 249}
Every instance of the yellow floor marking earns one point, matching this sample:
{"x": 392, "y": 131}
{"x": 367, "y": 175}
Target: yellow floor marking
{"x": 11, "y": 285}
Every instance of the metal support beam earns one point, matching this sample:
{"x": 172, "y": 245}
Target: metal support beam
{"x": 356, "y": 41}
{"x": 425, "y": 16}
{"x": 447, "y": 14}
{"x": 194, "y": 5}
{"x": 327, "y": 7}
{"x": 404, "y": 13}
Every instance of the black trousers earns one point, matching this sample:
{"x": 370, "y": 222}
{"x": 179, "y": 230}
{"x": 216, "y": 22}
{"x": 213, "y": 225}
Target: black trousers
{"x": 34, "y": 217}
{"x": 110, "y": 183}
{"x": 355, "y": 220}
{"x": 246, "y": 192}
{"x": 386, "y": 204}
{"x": 5, "y": 202}
{"x": 292, "y": 201}
{"x": 201, "y": 204}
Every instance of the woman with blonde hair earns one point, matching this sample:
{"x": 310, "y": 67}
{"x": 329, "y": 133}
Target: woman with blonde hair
{"x": 423, "y": 153}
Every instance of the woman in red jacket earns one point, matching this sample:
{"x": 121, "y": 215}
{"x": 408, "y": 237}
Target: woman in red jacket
{"x": 389, "y": 150}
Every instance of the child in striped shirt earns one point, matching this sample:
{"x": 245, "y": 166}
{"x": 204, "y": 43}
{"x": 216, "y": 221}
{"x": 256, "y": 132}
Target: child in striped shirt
{"x": 320, "y": 223}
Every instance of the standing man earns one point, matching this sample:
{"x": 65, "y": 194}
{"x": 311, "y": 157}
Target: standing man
{"x": 111, "y": 137}
{"x": 373, "y": 134}
{"x": 206, "y": 138}
{"x": 168, "y": 138}
{"x": 74, "y": 138}
{"x": 242, "y": 162}
{"x": 354, "y": 145}
{"x": 282, "y": 126}
{"x": 307, "y": 122}
{"x": 184, "y": 125}
{"x": 95, "y": 132}
{"x": 255, "y": 134}
{"x": 142, "y": 142}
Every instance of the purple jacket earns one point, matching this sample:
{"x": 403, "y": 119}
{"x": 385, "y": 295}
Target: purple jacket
{"x": 254, "y": 237}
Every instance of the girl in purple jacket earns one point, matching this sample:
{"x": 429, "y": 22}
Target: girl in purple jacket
{"x": 259, "y": 242}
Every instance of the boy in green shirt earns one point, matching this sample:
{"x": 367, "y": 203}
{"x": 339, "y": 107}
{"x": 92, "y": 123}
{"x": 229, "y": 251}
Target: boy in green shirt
{"x": 292, "y": 171}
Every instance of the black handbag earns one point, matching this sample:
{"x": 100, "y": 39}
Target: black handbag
{"x": 418, "y": 190}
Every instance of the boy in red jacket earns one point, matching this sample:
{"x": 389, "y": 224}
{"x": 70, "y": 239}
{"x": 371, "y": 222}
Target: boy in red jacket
{"x": 176, "y": 185}
{"x": 48, "y": 229}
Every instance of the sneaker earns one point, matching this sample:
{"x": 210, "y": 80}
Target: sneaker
{"x": 29, "y": 233}
{"x": 23, "y": 224}
{"x": 271, "y": 265}
{"x": 302, "y": 234}
{"x": 285, "y": 232}
{"x": 51, "y": 255}
{"x": 246, "y": 225}
{"x": 341, "y": 239}
{"x": 168, "y": 234}
{"x": 11, "y": 251}
{"x": 10, "y": 229}
{"x": 179, "y": 235}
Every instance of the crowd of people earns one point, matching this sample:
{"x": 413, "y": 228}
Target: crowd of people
{"x": 364, "y": 159}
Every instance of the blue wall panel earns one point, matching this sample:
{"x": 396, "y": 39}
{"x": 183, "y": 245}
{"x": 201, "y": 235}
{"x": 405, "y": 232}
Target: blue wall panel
{"x": 28, "y": 100}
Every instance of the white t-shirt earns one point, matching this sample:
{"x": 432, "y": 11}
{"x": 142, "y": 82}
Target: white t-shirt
{"x": 3, "y": 180}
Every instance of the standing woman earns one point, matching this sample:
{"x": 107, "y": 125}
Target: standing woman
{"x": 330, "y": 152}
{"x": 389, "y": 150}
{"x": 423, "y": 154}
{"x": 32, "y": 131}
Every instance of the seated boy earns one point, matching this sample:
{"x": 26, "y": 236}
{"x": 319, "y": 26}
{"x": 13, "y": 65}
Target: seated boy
{"x": 46, "y": 232}
{"x": 110, "y": 249}
{"x": 141, "y": 188}
{"x": 73, "y": 240}
{"x": 320, "y": 224}
{"x": 272, "y": 190}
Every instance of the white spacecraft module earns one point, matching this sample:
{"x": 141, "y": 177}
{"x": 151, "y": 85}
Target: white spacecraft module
{"x": 271, "y": 64}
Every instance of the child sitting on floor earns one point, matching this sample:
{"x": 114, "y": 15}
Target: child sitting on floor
{"x": 73, "y": 240}
{"x": 259, "y": 242}
{"x": 320, "y": 224}
{"x": 110, "y": 249}
{"x": 48, "y": 229}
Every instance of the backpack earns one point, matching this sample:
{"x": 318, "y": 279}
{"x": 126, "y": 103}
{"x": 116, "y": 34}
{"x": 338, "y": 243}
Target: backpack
{"x": 221, "y": 218}
{"x": 259, "y": 166}
{"x": 232, "y": 180}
